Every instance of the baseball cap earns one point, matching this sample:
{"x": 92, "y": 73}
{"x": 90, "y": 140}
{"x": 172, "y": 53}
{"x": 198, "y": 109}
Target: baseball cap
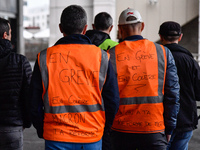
{"x": 170, "y": 28}
{"x": 127, "y": 13}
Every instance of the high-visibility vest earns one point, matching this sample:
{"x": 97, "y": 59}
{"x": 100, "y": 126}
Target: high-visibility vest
{"x": 140, "y": 67}
{"x": 73, "y": 76}
{"x": 108, "y": 44}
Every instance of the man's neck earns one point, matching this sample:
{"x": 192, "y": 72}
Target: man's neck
{"x": 105, "y": 31}
{"x": 168, "y": 42}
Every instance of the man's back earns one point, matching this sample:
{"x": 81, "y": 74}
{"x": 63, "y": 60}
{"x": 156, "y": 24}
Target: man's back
{"x": 189, "y": 74}
{"x": 72, "y": 89}
{"x": 148, "y": 86}
{"x": 141, "y": 72}
{"x": 146, "y": 73}
{"x": 14, "y": 80}
{"x": 189, "y": 79}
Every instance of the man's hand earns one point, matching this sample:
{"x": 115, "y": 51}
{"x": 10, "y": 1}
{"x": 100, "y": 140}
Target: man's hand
{"x": 168, "y": 137}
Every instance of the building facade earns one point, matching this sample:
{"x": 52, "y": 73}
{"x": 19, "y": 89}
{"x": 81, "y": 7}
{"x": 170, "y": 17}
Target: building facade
{"x": 154, "y": 12}
{"x": 92, "y": 7}
{"x": 36, "y": 17}
{"x": 13, "y": 11}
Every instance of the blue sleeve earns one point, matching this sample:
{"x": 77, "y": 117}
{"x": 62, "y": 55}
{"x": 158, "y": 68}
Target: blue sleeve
{"x": 171, "y": 94}
{"x": 37, "y": 107}
{"x": 110, "y": 94}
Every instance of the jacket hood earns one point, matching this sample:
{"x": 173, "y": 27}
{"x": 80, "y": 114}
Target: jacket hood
{"x": 5, "y": 47}
{"x": 177, "y": 48}
{"x": 5, "y": 51}
{"x": 97, "y": 37}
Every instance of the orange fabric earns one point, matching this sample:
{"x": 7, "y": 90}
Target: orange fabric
{"x": 73, "y": 71}
{"x": 137, "y": 71}
{"x": 74, "y": 127}
{"x": 139, "y": 118}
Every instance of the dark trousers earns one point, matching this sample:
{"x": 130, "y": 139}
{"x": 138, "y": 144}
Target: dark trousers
{"x": 133, "y": 141}
{"x": 106, "y": 140}
{"x": 11, "y": 138}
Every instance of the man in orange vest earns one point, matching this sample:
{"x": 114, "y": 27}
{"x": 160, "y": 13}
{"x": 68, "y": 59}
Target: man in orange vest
{"x": 148, "y": 86}
{"x": 74, "y": 91}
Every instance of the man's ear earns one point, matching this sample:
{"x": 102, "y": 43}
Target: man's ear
{"x": 120, "y": 32}
{"x": 84, "y": 29}
{"x": 4, "y": 35}
{"x": 93, "y": 27}
{"x": 60, "y": 27}
{"x": 142, "y": 26}
{"x": 110, "y": 28}
{"x": 161, "y": 38}
{"x": 180, "y": 37}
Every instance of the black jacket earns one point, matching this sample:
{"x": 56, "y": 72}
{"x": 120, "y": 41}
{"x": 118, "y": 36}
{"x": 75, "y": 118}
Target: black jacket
{"x": 15, "y": 76}
{"x": 189, "y": 79}
{"x": 97, "y": 37}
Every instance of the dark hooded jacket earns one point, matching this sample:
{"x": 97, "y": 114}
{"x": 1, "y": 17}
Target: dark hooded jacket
{"x": 189, "y": 79}
{"x": 100, "y": 39}
{"x": 15, "y": 78}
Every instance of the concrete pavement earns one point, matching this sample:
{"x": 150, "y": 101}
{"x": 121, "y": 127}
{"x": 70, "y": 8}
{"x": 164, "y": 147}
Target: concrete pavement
{"x": 32, "y": 142}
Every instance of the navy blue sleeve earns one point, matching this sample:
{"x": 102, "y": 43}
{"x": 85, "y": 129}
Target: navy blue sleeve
{"x": 171, "y": 94}
{"x": 36, "y": 102}
{"x": 110, "y": 94}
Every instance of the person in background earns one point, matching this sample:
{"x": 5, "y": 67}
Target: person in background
{"x": 189, "y": 80}
{"x": 148, "y": 87}
{"x": 74, "y": 91}
{"x": 15, "y": 79}
{"x": 99, "y": 36}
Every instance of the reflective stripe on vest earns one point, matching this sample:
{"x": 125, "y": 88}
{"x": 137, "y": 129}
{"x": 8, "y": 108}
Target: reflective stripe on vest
{"x": 141, "y": 89}
{"x": 73, "y": 95}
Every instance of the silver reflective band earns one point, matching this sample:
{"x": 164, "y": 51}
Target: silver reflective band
{"x": 43, "y": 65}
{"x": 103, "y": 68}
{"x": 73, "y": 109}
{"x": 45, "y": 75}
{"x": 141, "y": 100}
{"x": 161, "y": 68}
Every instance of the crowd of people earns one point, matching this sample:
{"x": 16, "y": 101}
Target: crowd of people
{"x": 88, "y": 92}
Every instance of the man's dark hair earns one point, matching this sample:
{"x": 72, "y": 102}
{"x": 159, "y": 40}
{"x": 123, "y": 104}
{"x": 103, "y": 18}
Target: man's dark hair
{"x": 4, "y": 27}
{"x": 103, "y": 21}
{"x": 170, "y": 38}
{"x": 73, "y": 19}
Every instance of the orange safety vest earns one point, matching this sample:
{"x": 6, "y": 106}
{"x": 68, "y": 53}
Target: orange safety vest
{"x": 73, "y": 76}
{"x": 141, "y": 68}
